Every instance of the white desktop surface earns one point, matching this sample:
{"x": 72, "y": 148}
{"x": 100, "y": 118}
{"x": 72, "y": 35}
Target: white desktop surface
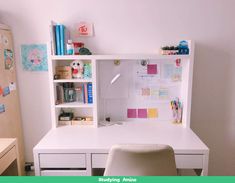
{"x": 88, "y": 139}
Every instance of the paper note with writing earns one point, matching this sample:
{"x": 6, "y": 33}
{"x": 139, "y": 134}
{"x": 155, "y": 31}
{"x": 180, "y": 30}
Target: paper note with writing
{"x": 152, "y": 113}
{"x": 142, "y": 113}
{"x": 168, "y": 70}
{"x": 131, "y": 113}
{"x": 163, "y": 93}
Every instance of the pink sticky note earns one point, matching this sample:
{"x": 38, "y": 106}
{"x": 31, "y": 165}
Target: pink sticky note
{"x": 152, "y": 69}
{"x": 142, "y": 113}
{"x": 131, "y": 113}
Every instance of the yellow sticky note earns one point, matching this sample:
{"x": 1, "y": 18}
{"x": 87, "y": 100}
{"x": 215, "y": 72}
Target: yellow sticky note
{"x": 152, "y": 113}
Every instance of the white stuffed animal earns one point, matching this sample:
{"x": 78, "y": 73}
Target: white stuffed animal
{"x": 77, "y": 69}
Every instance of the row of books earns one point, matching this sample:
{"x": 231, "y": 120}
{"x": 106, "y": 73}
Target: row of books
{"x": 59, "y": 37}
{"x": 67, "y": 93}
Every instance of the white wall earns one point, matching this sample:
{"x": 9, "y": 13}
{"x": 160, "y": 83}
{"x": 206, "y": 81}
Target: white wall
{"x": 135, "y": 26}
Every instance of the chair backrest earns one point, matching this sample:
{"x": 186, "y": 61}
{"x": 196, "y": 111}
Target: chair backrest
{"x": 141, "y": 160}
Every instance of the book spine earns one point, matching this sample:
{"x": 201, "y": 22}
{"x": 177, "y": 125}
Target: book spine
{"x": 57, "y": 33}
{"x": 85, "y": 93}
{"x": 89, "y": 93}
{"x": 62, "y": 39}
{"x": 52, "y": 36}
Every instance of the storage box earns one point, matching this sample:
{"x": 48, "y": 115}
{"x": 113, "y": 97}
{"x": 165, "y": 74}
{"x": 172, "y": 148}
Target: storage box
{"x": 64, "y": 72}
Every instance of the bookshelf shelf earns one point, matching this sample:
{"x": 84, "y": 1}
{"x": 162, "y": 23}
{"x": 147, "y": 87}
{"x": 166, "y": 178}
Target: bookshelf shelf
{"x": 74, "y": 105}
{"x": 120, "y": 57}
{"x": 73, "y": 81}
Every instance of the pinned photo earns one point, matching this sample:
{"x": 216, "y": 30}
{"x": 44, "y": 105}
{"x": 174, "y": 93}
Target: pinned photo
{"x": 2, "y": 108}
{"x": 6, "y": 91}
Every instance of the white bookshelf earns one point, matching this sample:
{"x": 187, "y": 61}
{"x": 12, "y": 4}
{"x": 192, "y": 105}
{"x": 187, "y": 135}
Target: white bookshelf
{"x": 96, "y": 110}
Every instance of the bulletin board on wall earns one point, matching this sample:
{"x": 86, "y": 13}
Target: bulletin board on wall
{"x": 143, "y": 91}
{"x": 10, "y": 118}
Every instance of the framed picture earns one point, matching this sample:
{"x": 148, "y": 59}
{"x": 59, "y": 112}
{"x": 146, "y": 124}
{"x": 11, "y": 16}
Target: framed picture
{"x": 34, "y": 57}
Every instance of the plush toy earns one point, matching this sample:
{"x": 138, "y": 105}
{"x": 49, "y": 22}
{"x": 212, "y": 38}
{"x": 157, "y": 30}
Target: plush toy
{"x": 77, "y": 69}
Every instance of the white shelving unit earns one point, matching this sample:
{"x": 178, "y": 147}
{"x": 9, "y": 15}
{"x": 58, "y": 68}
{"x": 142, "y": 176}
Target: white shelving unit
{"x": 96, "y": 109}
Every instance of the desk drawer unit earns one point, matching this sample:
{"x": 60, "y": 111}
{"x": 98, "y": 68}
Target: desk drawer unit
{"x": 7, "y": 159}
{"x": 182, "y": 161}
{"x": 62, "y": 160}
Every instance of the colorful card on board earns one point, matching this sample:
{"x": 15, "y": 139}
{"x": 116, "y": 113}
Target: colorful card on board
{"x": 8, "y": 59}
{"x": 163, "y": 93}
{"x": 131, "y": 113}
{"x": 145, "y": 92}
{"x": 6, "y": 91}
{"x": 2, "y": 108}
{"x": 12, "y": 86}
{"x": 142, "y": 113}
{"x": 152, "y": 113}
{"x": 152, "y": 69}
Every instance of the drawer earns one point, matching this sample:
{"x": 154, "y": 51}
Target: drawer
{"x": 7, "y": 159}
{"x": 189, "y": 161}
{"x": 64, "y": 173}
{"x": 99, "y": 160}
{"x": 182, "y": 161}
{"x": 62, "y": 160}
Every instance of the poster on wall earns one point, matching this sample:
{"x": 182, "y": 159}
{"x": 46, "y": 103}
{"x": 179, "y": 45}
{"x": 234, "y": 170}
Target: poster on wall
{"x": 34, "y": 57}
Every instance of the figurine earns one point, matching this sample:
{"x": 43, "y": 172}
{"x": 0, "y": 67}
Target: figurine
{"x": 77, "y": 69}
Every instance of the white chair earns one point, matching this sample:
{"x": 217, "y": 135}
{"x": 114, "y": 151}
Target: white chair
{"x": 141, "y": 160}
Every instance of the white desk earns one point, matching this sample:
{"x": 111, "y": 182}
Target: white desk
{"x": 74, "y": 150}
{"x": 8, "y": 153}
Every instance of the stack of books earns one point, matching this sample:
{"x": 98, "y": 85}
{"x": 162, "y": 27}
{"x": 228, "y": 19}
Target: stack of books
{"x": 59, "y": 38}
{"x": 83, "y": 95}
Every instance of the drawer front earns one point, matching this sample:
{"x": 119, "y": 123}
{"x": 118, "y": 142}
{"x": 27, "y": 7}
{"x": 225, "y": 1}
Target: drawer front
{"x": 7, "y": 159}
{"x": 63, "y": 173}
{"x": 182, "y": 161}
{"x": 62, "y": 160}
{"x": 189, "y": 161}
{"x": 99, "y": 160}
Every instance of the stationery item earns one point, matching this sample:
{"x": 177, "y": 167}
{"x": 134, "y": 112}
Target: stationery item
{"x": 177, "y": 110}
{"x": 6, "y": 91}
{"x": 142, "y": 113}
{"x": 152, "y": 113}
{"x": 70, "y": 47}
{"x": 131, "y": 113}
{"x": 85, "y": 92}
{"x": 2, "y": 108}
{"x": 152, "y": 69}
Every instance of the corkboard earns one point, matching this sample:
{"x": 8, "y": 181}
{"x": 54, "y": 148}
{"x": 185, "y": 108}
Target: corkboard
{"x": 10, "y": 120}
